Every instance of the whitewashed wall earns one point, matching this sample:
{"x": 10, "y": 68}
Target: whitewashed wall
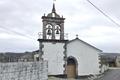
{"x": 53, "y": 53}
{"x": 87, "y": 57}
{"x": 23, "y": 71}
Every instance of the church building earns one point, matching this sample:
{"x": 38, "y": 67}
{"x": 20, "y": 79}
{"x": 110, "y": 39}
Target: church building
{"x": 66, "y": 57}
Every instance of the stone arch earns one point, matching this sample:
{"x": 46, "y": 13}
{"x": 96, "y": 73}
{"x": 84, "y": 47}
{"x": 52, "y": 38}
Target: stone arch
{"x": 57, "y": 31}
{"x": 49, "y": 31}
{"x": 72, "y": 67}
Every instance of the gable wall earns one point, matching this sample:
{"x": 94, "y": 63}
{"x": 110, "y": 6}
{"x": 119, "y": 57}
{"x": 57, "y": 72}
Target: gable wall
{"x": 87, "y": 57}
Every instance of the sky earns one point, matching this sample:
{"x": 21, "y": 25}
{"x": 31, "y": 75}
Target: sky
{"x": 20, "y": 23}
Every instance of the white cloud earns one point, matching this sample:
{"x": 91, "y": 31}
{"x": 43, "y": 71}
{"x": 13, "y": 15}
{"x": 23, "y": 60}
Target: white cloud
{"x": 24, "y": 16}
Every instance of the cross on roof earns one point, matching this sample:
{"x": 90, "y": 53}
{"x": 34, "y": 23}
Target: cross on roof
{"x": 76, "y": 35}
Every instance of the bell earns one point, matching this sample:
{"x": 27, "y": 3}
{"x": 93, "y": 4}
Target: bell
{"x": 49, "y": 32}
{"x": 57, "y": 32}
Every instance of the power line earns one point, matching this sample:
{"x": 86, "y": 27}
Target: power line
{"x": 13, "y": 31}
{"x": 104, "y": 13}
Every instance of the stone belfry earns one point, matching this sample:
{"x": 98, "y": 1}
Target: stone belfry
{"x": 52, "y": 43}
{"x": 53, "y": 26}
{"x": 52, "y": 29}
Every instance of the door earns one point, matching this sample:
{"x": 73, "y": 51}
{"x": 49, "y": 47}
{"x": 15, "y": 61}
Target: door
{"x": 71, "y": 68}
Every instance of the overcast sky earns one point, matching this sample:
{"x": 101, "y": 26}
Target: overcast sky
{"x": 20, "y": 22}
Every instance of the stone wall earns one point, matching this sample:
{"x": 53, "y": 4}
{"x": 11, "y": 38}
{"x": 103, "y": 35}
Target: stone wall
{"x": 24, "y": 71}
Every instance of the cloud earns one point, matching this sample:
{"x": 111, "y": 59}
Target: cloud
{"x": 24, "y": 16}
{"x": 16, "y": 43}
{"x": 104, "y": 37}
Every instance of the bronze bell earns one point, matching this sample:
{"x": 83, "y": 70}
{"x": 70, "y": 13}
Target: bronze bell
{"x": 49, "y": 32}
{"x": 57, "y": 32}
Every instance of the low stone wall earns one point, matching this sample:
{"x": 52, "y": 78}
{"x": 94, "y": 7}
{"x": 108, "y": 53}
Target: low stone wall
{"x": 24, "y": 71}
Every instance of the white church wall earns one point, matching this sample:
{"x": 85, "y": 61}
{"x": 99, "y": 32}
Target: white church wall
{"x": 53, "y": 53}
{"x": 23, "y": 71}
{"x": 87, "y": 57}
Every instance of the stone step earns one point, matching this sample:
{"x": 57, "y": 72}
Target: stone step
{"x": 54, "y": 78}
